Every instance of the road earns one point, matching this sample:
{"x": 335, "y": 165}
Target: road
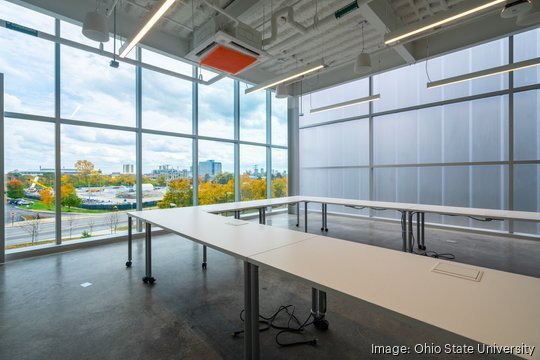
{"x": 98, "y": 224}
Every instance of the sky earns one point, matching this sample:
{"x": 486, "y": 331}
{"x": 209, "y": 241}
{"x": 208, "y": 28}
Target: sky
{"x": 93, "y": 91}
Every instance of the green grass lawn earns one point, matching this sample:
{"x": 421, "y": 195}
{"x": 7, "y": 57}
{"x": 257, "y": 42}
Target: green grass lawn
{"x": 38, "y": 206}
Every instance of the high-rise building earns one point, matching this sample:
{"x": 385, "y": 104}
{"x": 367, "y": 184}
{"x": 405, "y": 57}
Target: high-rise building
{"x": 209, "y": 167}
{"x": 128, "y": 169}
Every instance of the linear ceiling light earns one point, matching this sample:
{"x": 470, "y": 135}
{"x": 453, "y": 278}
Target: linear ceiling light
{"x": 439, "y": 20}
{"x": 287, "y": 77}
{"x": 483, "y": 73}
{"x": 125, "y": 49}
{"x": 345, "y": 104}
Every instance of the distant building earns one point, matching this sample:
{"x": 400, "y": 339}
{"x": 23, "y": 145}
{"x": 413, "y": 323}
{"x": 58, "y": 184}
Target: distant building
{"x": 170, "y": 172}
{"x": 209, "y": 167}
{"x": 43, "y": 170}
{"x": 128, "y": 169}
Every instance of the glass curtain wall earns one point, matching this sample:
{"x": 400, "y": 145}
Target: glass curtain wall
{"x": 65, "y": 105}
{"x": 457, "y": 154}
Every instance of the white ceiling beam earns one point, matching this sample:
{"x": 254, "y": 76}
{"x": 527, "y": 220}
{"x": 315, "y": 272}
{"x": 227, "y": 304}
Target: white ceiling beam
{"x": 380, "y": 16}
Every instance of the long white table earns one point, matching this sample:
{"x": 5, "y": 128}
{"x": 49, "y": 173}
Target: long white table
{"x": 489, "y": 307}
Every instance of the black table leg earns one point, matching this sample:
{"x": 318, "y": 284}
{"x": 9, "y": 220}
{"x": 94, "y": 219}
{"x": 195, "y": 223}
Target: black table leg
{"x": 148, "y": 252}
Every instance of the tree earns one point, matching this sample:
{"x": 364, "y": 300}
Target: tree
{"x": 15, "y": 189}
{"x": 70, "y": 220}
{"x": 31, "y": 226}
{"x": 279, "y": 187}
{"x": 84, "y": 169}
{"x": 65, "y": 179}
{"x": 112, "y": 220}
{"x": 69, "y": 197}
{"x": 179, "y": 193}
{"x": 47, "y": 198}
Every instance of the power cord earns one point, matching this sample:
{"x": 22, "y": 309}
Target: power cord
{"x": 433, "y": 254}
{"x": 293, "y": 326}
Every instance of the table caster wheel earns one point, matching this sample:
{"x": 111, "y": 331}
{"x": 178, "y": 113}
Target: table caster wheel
{"x": 322, "y": 229}
{"x": 204, "y": 266}
{"x": 297, "y": 225}
{"x": 326, "y": 229}
{"x": 147, "y": 279}
{"x": 128, "y": 263}
{"x": 321, "y": 324}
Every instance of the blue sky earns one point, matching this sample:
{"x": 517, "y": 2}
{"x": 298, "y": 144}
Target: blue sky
{"x": 93, "y": 91}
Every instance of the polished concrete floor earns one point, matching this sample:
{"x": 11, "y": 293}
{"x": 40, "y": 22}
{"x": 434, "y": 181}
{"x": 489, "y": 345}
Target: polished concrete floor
{"x": 189, "y": 313}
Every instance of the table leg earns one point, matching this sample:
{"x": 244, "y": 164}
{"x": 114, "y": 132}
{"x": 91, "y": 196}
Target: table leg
{"x": 251, "y": 311}
{"x": 404, "y": 230}
{"x": 297, "y": 214}
{"x": 255, "y": 348}
{"x": 326, "y": 217}
{"x": 410, "y": 239}
{"x": 322, "y": 216}
{"x": 130, "y": 240}
{"x": 148, "y": 254}
{"x": 237, "y": 214}
{"x": 422, "y": 234}
{"x": 248, "y": 343}
{"x": 204, "y": 257}
{"x": 419, "y": 245}
{"x": 305, "y": 216}
{"x": 314, "y": 302}
{"x": 262, "y": 216}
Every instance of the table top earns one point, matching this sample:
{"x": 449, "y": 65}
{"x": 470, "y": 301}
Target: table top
{"x": 251, "y": 204}
{"x": 237, "y": 238}
{"x": 501, "y": 308}
{"x": 478, "y": 212}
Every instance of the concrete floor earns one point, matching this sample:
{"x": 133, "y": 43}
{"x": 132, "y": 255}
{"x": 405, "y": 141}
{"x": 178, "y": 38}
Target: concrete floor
{"x": 190, "y": 314}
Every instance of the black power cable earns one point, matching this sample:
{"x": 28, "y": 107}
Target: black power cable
{"x": 293, "y": 326}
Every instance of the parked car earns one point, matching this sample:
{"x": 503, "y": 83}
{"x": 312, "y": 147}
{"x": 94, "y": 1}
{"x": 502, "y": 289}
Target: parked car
{"x": 23, "y": 202}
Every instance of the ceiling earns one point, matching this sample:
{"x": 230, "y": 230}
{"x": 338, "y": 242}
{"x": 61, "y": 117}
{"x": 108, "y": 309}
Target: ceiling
{"x": 336, "y": 41}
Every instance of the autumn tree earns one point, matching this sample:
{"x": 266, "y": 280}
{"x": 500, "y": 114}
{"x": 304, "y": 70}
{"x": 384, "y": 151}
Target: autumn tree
{"x": 69, "y": 197}
{"x": 47, "y": 197}
{"x": 84, "y": 169}
{"x": 15, "y": 189}
{"x": 279, "y": 187}
{"x": 179, "y": 192}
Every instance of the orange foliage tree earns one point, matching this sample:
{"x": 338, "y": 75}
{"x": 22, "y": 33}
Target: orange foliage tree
{"x": 47, "y": 198}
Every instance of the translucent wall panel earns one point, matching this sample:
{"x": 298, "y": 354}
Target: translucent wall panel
{"x": 29, "y": 179}
{"x": 93, "y": 91}
{"x": 166, "y": 100}
{"x": 98, "y": 178}
{"x": 167, "y": 171}
{"x": 339, "y": 183}
{"x": 341, "y": 144}
{"x": 407, "y": 86}
{"x": 337, "y": 94}
{"x": 216, "y": 109}
{"x": 527, "y": 46}
{"x": 27, "y": 63}
{"x": 461, "y": 132}
{"x": 252, "y": 172}
{"x": 252, "y": 116}
{"x": 462, "y": 186}
{"x": 527, "y": 125}
{"x": 279, "y": 121}
{"x": 216, "y": 169}
{"x": 279, "y": 173}
{"x": 527, "y": 195}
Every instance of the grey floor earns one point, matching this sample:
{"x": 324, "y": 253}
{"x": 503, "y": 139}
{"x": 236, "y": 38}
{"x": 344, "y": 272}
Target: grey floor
{"x": 190, "y": 314}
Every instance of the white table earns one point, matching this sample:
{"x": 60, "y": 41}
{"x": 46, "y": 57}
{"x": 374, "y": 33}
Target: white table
{"x": 501, "y": 307}
{"x": 237, "y": 238}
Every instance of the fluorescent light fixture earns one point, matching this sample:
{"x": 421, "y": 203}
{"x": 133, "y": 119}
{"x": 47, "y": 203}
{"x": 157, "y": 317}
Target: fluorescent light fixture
{"x": 483, "y": 73}
{"x": 287, "y": 77}
{"x": 445, "y": 17}
{"x": 345, "y": 104}
{"x": 125, "y": 49}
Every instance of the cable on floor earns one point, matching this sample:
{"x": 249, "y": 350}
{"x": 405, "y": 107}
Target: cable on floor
{"x": 294, "y": 326}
